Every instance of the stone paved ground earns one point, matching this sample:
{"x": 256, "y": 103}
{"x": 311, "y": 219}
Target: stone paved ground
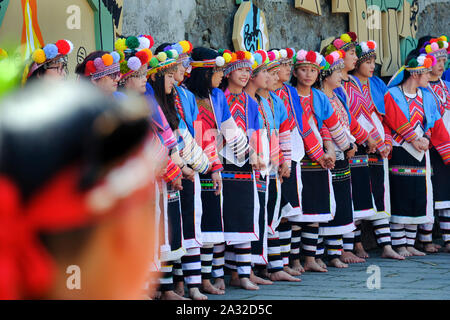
{"x": 416, "y": 278}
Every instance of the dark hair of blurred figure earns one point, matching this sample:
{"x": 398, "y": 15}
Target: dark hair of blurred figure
{"x": 75, "y": 191}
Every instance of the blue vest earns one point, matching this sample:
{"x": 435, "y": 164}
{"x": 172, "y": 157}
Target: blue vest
{"x": 297, "y": 110}
{"x": 321, "y": 106}
{"x": 190, "y": 107}
{"x": 429, "y": 105}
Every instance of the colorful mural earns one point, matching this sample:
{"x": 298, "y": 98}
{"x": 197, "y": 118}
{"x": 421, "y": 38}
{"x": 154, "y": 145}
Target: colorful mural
{"x": 90, "y": 24}
{"x": 250, "y": 28}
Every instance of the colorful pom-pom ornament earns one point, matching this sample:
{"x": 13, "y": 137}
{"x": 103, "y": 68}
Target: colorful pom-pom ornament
{"x": 51, "y": 51}
{"x": 258, "y": 58}
{"x": 154, "y": 62}
{"x": 329, "y": 59}
{"x": 420, "y": 60}
{"x": 301, "y": 55}
{"x": 98, "y": 63}
{"x": 338, "y": 43}
{"x": 39, "y": 56}
{"x": 413, "y": 63}
{"x": 283, "y": 53}
{"x": 220, "y": 61}
{"x": 185, "y": 45}
{"x": 132, "y": 42}
{"x": 263, "y": 54}
{"x": 428, "y": 49}
{"x": 352, "y": 36}
{"x": 150, "y": 38}
{"x": 108, "y": 60}
{"x": 134, "y": 63}
{"x": 63, "y": 47}
{"x": 271, "y": 55}
{"x": 227, "y": 57}
{"x": 148, "y": 52}
{"x": 371, "y": 45}
{"x": 178, "y": 47}
{"x": 115, "y": 56}
{"x": 124, "y": 67}
{"x": 122, "y": 55}
{"x": 90, "y": 68}
{"x": 433, "y": 59}
{"x": 71, "y": 46}
{"x": 319, "y": 59}
{"x": 143, "y": 43}
{"x": 248, "y": 55}
{"x": 142, "y": 56}
{"x": 330, "y": 49}
{"x": 240, "y": 55}
{"x": 311, "y": 56}
{"x": 364, "y": 47}
{"x": 290, "y": 52}
{"x": 335, "y": 56}
{"x": 434, "y": 46}
{"x": 346, "y": 38}
{"x": 162, "y": 56}
{"x": 120, "y": 44}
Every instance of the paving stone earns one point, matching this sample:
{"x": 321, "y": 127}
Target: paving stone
{"x": 416, "y": 278}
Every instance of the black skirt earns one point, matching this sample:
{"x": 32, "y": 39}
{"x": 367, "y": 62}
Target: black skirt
{"x": 291, "y": 193}
{"x": 408, "y": 184}
{"x": 212, "y": 220}
{"x": 273, "y": 204}
{"x": 441, "y": 181}
{"x": 174, "y": 226}
{"x": 259, "y": 247}
{"x": 240, "y": 204}
{"x": 316, "y": 194}
{"x": 343, "y": 219}
{"x": 379, "y": 181}
{"x": 361, "y": 190}
{"x": 191, "y": 210}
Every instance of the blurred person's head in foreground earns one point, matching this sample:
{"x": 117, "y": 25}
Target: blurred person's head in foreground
{"x": 48, "y": 62}
{"x": 76, "y": 189}
{"x": 102, "y": 68}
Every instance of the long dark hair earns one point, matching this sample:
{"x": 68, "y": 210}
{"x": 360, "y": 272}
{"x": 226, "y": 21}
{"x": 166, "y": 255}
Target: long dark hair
{"x": 199, "y": 81}
{"x": 224, "y": 84}
{"x": 166, "y": 101}
{"x": 81, "y": 67}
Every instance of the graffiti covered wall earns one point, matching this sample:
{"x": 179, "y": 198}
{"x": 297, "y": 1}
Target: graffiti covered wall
{"x": 294, "y": 23}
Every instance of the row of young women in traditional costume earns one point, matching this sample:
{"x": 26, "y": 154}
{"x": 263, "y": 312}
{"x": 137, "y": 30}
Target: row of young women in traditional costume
{"x": 259, "y": 170}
